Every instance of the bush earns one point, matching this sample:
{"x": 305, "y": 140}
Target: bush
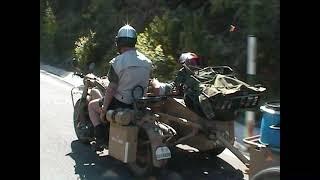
{"x": 48, "y": 32}
{"x": 84, "y": 50}
{"x": 153, "y": 42}
{"x": 165, "y": 30}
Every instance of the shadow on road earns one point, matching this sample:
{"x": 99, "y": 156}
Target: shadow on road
{"x": 195, "y": 165}
{"x": 183, "y": 165}
{"x": 90, "y": 166}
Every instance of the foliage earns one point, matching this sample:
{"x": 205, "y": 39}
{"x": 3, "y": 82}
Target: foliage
{"x": 84, "y": 49}
{"x": 166, "y": 29}
{"x": 151, "y": 43}
{"x": 48, "y": 29}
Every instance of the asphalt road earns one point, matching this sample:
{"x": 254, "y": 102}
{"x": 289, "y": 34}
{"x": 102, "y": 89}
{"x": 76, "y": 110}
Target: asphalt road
{"x": 62, "y": 157}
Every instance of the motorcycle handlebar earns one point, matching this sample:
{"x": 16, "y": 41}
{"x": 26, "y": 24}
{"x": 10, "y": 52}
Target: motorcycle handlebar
{"x": 93, "y": 81}
{"x": 79, "y": 74}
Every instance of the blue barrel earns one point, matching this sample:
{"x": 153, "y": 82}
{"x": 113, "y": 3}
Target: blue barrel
{"x": 270, "y": 124}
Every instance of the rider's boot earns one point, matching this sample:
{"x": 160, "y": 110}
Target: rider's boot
{"x": 100, "y": 133}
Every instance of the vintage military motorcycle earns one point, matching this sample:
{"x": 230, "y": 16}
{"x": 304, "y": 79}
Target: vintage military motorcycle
{"x": 144, "y": 150}
{"x": 144, "y": 137}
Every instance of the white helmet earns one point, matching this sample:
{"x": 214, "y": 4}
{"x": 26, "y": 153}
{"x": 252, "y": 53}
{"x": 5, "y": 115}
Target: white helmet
{"x": 127, "y": 37}
{"x": 127, "y": 31}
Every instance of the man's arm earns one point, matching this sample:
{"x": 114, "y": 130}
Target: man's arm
{"x": 111, "y": 89}
{"x": 179, "y": 81}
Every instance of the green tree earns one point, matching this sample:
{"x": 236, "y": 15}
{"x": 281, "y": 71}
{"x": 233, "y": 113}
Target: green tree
{"x": 166, "y": 29}
{"x": 84, "y": 50}
{"x": 48, "y": 30}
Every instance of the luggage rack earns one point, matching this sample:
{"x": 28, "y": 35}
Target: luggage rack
{"x": 236, "y": 102}
{"x": 254, "y": 141}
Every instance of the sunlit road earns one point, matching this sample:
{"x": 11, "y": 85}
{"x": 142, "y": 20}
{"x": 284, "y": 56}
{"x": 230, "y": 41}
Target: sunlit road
{"x": 62, "y": 157}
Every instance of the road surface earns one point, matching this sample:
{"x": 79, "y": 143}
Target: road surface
{"x": 62, "y": 157}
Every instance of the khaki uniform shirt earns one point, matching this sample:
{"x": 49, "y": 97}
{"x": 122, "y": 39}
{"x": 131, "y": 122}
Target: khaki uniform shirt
{"x": 128, "y": 70}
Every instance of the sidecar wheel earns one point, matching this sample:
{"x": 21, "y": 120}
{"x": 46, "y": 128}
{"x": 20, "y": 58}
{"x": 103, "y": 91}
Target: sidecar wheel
{"x": 143, "y": 165}
{"x": 84, "y": 129}
{"x": 272, "y": 173}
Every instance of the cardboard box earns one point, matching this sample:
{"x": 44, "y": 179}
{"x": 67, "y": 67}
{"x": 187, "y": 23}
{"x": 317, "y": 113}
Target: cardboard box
{"x": 123, "y": 142}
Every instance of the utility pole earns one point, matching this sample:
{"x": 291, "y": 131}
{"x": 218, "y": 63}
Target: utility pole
{"x": 251, "y": 71}
{"x": 251, "y": 67}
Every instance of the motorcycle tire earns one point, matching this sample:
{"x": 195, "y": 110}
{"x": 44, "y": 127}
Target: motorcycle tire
{"x": 84, "y": 131}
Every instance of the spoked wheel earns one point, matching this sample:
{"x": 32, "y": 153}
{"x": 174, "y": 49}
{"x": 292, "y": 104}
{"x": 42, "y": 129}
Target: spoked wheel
{"x": 143, "y": 165}
{"x": 81, "y": 122}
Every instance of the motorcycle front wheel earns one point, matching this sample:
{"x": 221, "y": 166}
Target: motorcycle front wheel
{"x": 81, "y": 122}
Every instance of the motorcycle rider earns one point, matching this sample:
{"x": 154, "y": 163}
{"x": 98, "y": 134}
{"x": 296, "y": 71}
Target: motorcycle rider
{"x": 188, "y": 60}
{"x": 127, "y": 70}
{"x": 185, "y": 84}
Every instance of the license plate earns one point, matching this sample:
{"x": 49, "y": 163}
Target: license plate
{"x": 163, "y": 153}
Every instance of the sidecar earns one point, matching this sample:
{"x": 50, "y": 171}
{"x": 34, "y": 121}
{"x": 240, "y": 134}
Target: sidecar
{"x": 190, "y": 128}
{"x": 145, "y": 137}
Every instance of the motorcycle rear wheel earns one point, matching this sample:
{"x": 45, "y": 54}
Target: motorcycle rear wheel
{"x": 143, "y": 165}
